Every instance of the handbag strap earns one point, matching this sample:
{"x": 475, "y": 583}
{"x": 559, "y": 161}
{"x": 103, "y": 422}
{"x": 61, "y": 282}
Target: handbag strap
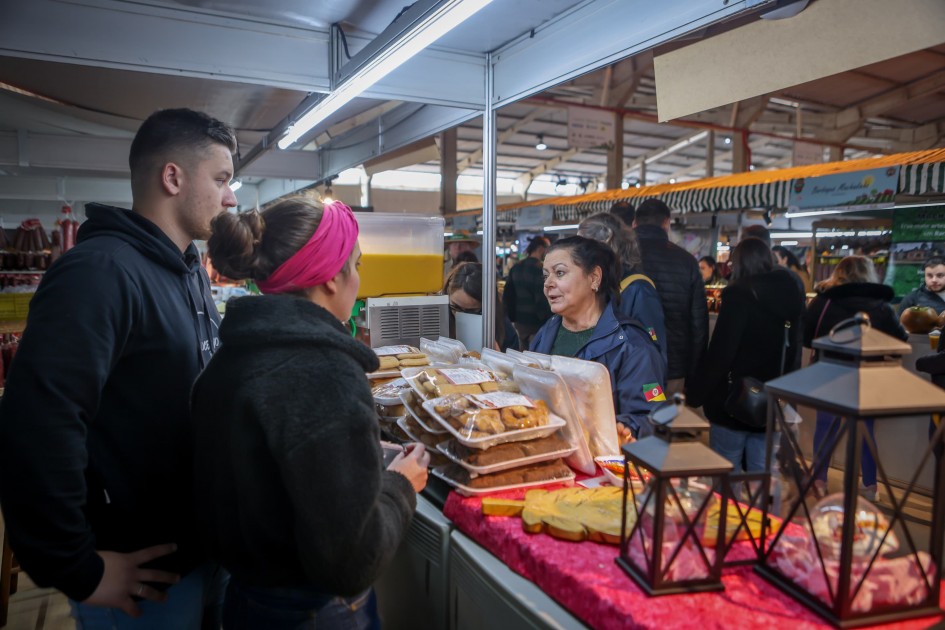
{"x": 787, "y": 342}
{"x": 813, "y": 353}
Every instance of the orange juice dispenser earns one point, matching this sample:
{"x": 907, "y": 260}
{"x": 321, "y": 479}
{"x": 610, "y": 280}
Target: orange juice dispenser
{"x": 401, "y": 266}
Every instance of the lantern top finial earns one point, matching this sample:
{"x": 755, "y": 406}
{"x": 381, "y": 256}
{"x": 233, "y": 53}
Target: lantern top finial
{"x": 673, "y": 421}
{"x": 855, "y": 338}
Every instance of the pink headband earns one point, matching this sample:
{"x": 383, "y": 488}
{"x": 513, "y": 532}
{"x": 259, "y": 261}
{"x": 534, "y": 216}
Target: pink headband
{"x": 322, "y": 257}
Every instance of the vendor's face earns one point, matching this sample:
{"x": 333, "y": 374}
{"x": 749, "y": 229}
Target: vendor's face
{"x": 568, "y": 288}
{"x": 706, "y": 270}
{"x": 462, "y": 302}
{"x": 935, "y": 278}
{"x": 455, "y": 249}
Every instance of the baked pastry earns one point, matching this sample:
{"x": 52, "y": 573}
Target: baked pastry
{"x": 506, "y": 452}
{"x": 388, "y": 363}
{"x": 545, "y": 471}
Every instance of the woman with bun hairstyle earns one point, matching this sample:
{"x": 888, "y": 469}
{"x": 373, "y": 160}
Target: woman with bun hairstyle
{"x": 582, "y": 284}
{"x": 292, "y": 496}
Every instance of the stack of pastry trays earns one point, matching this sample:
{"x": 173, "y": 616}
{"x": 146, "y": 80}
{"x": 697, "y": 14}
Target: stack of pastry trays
{"x": 494, "y": 438}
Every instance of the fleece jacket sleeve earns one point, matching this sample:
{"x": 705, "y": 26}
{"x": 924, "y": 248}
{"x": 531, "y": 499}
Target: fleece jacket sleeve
{"x": 636, "y": 377}
{"x": 350, "y": 515}
{"x": 78, "y": 322}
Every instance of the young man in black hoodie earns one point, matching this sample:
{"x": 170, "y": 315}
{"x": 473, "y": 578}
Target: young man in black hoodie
{"x": 95, "y": 436}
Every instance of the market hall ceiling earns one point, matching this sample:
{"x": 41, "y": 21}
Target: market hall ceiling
{"x": 252, "y": 63}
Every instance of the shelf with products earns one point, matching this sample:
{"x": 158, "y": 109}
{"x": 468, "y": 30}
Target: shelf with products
{"x": 835, "y": 239}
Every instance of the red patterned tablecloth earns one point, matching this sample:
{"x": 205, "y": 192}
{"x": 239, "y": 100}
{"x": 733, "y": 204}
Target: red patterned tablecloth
{"x": 583, "y": 578}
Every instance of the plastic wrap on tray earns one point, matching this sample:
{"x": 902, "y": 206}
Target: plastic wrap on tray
{"x": 443, "y": 350}
{"x": 543, "y": 360}
{"x": 484, "y": 420}
{"x": 550, "y": 387}
{"x": 389, "y": 393}
{"x": 589, "y": 384}
{"x": 435, "y": 382}
{"x": 522, "y": 358}
{"x": 506, "y": 456}
{"x": 555, "y": 471}
{"x": 412, "y": 403}
{"x": 395, "y": 358}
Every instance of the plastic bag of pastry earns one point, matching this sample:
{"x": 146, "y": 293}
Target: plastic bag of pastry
{"x": 443, "y": 350}
{"x": 505, "y": 456}
{"x": 434, "y": 382}
{"x": 501, "y": 365}
{"x": 543, "y": 360}
{"x": 484, "y": 420}
{"x": 554, "y": 471}
{"x": 551, "y": 388}
{"x": 589, "y": 384}
{"x": 523, "y": 358}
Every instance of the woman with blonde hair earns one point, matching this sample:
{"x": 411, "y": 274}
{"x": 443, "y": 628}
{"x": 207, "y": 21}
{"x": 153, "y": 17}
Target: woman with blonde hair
{"x": 853, "y": 287}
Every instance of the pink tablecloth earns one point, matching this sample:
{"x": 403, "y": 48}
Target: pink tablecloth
{"x": 583, "y": 578}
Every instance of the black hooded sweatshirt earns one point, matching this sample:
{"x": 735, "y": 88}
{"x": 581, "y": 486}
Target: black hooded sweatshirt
{"x": 95, "y": 434}
{"x": 748, "y": 341}
{"x": 290, "y": 485}
{"x": 846, "y": 300}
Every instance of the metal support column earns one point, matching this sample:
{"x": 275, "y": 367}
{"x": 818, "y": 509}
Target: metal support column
{"x": 740, "y": 152}
{"x": 489, "y": 148}
{"x": 448, "y": 171}
{"x": 615, "y": 155}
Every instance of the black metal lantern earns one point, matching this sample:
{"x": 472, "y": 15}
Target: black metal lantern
{"x": 840, "y": 555}
{"x": 683, "y": 496}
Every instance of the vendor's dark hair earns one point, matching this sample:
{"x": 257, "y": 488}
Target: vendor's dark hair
{"x": 536, "y": 243}
{"x": 611, "y": 231}
{"x": 468, "y": 278}
{"x": 934, "y": 261}
{"x": 175, "y": 134}
{"x": 784, "y": 252}
{"x": 253, "y": 244}
{"x": 588, "y": 254}
{"x": 749, "y": 258}
{"x": 652, "y": 212}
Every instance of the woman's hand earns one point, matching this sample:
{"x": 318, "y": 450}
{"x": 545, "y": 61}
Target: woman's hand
{"x": 124, "y": 579}
{"x": 624, "y": 436}
{"x": 413, "y": 464}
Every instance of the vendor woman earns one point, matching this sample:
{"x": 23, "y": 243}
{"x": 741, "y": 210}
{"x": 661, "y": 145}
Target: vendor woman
{"x": 582, "y": 284}
{"x": 292, "y": 496}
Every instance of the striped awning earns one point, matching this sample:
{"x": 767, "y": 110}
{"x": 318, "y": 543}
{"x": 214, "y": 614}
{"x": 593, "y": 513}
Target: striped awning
{"x": 769, "y": 195}
{"x": 922, "y": 179}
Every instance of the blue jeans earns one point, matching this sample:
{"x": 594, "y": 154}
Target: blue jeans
{"x": 736, "y": 445}
{"x": 198, "y": 593}
{"x": 826, "y": 431}
{"x": 252, "y": 608}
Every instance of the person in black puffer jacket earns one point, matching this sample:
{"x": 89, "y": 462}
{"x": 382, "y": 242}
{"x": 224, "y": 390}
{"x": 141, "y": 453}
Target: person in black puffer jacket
{"x": 748, "y": 340}
{"x": 852, "y": 288}
{"x": 681, "y": 290}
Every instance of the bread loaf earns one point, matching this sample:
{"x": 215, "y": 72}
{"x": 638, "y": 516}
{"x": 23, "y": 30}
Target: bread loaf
{"x": 546, "y": 471}
{"x": 506, "y": 452}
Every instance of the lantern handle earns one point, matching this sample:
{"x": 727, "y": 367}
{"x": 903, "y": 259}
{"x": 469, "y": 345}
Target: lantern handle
{"x": 853, "y": 326}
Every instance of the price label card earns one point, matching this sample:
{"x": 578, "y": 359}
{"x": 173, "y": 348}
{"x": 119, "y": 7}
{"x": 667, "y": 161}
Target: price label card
{"x": 497, "y": 400}
{"x": 466, "y": 376}
{"x": 385, "y": 351}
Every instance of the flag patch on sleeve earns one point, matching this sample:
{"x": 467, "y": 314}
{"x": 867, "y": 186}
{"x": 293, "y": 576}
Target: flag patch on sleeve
{"x": 653, "y": 392}
{"x": 652, "y": 332}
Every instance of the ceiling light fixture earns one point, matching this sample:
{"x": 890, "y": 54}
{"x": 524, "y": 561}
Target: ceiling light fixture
{"x": 425, "y": 33}
{"x": 559, "y": 228}
{"x": 541, "y": 146}
{"x": 236, "y": 185}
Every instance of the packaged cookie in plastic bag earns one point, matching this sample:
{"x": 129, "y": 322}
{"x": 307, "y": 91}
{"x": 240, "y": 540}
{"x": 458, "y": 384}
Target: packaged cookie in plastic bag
{"x": 435, "y": 382}
{"x": 549, "y": 386}
{"x": 443, "y": 350}
{"x": 593, "y": 396}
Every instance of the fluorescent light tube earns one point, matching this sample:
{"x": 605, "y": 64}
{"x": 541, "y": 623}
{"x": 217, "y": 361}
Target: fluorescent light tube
{"x": 558, "y": 228}
{"x": 451, "y": 15}
{"x": 791, "y": 234}
{"x": 236, "y": 185}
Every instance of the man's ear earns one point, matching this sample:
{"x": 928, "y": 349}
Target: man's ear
{"x": 172, "y": 178}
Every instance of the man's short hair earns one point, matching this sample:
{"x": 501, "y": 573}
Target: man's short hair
{"x": 535, "y": 243}
{"x": 934, "y": 261}
{"x": 652, "y": 212}
{"x": 170, "y": 133}
{"x": 624, "y": 211}
{"x": 757, "y": 231}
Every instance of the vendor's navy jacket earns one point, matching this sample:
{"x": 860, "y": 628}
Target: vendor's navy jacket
{"x": 637, "y": 369}
{"x": 922, "y": 297}
{"x": 95, "y": 436}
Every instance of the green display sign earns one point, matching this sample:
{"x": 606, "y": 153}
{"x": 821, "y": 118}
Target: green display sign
{"x": 918, "y": 234}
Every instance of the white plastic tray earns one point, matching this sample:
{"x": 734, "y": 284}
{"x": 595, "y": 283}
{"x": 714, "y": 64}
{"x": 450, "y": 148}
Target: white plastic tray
{"x": 478, "y": 492}
{"x": 410, "y": 372}
{"x": 392, "y": 400}
{"x": 407, "y": 402}
{"x": 402, "y": 424}
{"x": 512, "y": 463}
{"x": 382, "y": 374}
{"x": 554, "y": 423}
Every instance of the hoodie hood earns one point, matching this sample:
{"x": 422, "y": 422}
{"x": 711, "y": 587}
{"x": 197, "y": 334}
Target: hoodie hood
{"x": 140, "y": 233}
{"x": 777, "y": 290}
{"x": 287, "y": 320}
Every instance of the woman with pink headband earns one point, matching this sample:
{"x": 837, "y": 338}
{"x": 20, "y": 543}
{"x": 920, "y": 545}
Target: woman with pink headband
{"x": 292, "y": 496}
